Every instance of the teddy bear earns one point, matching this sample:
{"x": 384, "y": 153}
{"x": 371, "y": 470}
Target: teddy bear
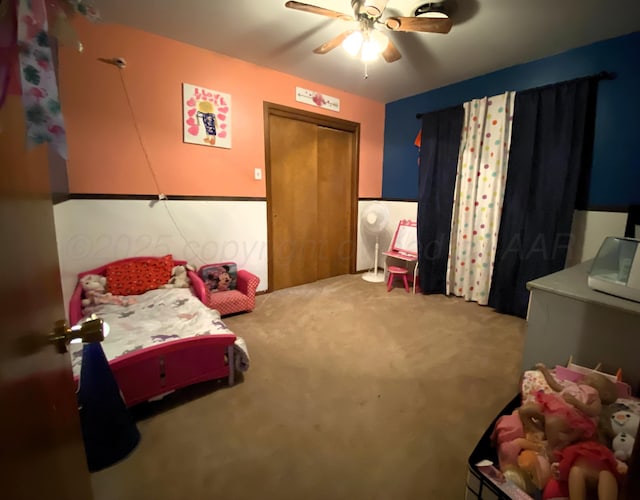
{"x": 95, "y": 292}
{"x": 179, "y": 277}
{"x": 93, "y": 285}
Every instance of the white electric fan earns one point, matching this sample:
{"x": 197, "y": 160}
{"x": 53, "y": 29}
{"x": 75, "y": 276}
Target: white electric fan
{"x": 374, "y": 219}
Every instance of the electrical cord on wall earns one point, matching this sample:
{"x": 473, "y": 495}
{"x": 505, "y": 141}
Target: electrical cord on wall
{"x": 121, "y": 64}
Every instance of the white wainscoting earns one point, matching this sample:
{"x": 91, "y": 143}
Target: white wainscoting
{"x": 91, "y": 233}
{"x": 366, "y": 243}
{"x": 589, "y": 231}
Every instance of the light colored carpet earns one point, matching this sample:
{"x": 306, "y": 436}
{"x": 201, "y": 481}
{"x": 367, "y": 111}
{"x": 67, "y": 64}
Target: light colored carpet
{"x": 353, "y": 393}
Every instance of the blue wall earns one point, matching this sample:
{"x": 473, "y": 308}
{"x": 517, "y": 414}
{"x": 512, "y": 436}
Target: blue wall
{"x": 615, "y": 180}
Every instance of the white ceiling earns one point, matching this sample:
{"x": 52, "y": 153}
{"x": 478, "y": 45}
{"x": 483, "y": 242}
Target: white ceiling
{"x": 487, "y": 35}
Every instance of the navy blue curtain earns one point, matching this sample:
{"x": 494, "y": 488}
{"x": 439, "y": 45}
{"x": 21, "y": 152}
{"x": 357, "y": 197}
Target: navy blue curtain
{"x": 440, "y": 143}
{"x": 549, "y": 159}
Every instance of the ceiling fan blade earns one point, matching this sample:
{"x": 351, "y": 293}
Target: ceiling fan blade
{"x": 391, "y": 53}
{"x": 333, "y": 43}
{"x": 423, "y": 24}
{"x": 318, "y": 10}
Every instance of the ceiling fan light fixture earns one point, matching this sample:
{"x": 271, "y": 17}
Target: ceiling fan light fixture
{"x": 370, "y": 51}
{"x": 379, "y": 42}
{"x": 353, "y": 43}
{"x": 367, "y": 46}
{"x": 433, "y": 10}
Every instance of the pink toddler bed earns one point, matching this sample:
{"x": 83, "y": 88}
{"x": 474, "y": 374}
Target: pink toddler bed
{"x": 164, "y": 340}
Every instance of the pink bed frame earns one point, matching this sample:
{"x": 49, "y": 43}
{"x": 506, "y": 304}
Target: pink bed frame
{"x": 155, "y": 371}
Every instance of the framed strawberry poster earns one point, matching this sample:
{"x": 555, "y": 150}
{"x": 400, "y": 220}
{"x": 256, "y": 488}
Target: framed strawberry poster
{"x": 206, "y": 116}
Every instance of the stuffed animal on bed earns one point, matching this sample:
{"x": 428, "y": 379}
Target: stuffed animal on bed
{"x": 95, "y": 292}
{"x": 179, "y": 277}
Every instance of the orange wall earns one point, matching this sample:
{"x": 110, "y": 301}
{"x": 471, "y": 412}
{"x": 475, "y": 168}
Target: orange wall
{"x": 105, "y": 155}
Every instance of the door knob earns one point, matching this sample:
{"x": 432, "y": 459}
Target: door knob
{"x": 92, "y": 330}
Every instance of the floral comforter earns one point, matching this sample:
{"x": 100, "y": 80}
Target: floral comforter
{"x": 157, "y": 316}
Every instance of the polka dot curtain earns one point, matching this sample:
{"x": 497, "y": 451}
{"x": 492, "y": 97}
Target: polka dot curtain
{"x": 477, "y": 205}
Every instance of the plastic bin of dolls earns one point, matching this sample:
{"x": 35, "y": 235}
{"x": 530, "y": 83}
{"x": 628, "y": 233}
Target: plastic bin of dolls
{"x": 484, "y": 479}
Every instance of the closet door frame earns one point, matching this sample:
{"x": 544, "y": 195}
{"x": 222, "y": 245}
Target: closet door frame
{"x": 272, "y": 109}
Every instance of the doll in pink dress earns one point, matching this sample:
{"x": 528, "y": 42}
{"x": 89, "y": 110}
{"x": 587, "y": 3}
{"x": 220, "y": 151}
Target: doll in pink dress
{"x": 571, "y": 413}
{"x": 589, "y": 467}
{"x": 510, "y": 440}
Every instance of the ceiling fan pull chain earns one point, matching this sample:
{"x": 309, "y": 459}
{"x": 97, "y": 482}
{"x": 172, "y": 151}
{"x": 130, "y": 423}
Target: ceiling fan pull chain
{"x": 366, "y": 72}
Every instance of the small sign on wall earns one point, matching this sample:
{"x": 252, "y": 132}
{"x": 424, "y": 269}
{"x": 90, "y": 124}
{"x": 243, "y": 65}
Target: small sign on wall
{"x": 313, "y": 98}
{"x": 206, "y": 116}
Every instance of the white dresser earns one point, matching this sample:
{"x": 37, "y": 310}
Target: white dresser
{"x": 567, "y": 318}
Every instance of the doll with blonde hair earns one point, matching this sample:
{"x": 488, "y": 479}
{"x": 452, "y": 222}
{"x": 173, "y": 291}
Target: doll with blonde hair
{"x": 571, "y": 412}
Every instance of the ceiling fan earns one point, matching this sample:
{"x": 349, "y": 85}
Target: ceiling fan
{"x": 366, "y": 40}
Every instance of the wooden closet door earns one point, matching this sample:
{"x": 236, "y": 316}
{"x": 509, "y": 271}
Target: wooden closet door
{"x": 335, "y": 206}
{"x": 312, "y": 195}
{"x": 293, "y": 201}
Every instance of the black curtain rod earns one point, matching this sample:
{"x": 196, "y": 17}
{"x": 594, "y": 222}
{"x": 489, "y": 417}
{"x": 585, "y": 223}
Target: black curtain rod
{"x": 603, "y": 75}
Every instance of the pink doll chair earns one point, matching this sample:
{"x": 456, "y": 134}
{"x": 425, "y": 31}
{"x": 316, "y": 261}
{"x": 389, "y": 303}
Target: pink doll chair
{"x": 229, "y": 290}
